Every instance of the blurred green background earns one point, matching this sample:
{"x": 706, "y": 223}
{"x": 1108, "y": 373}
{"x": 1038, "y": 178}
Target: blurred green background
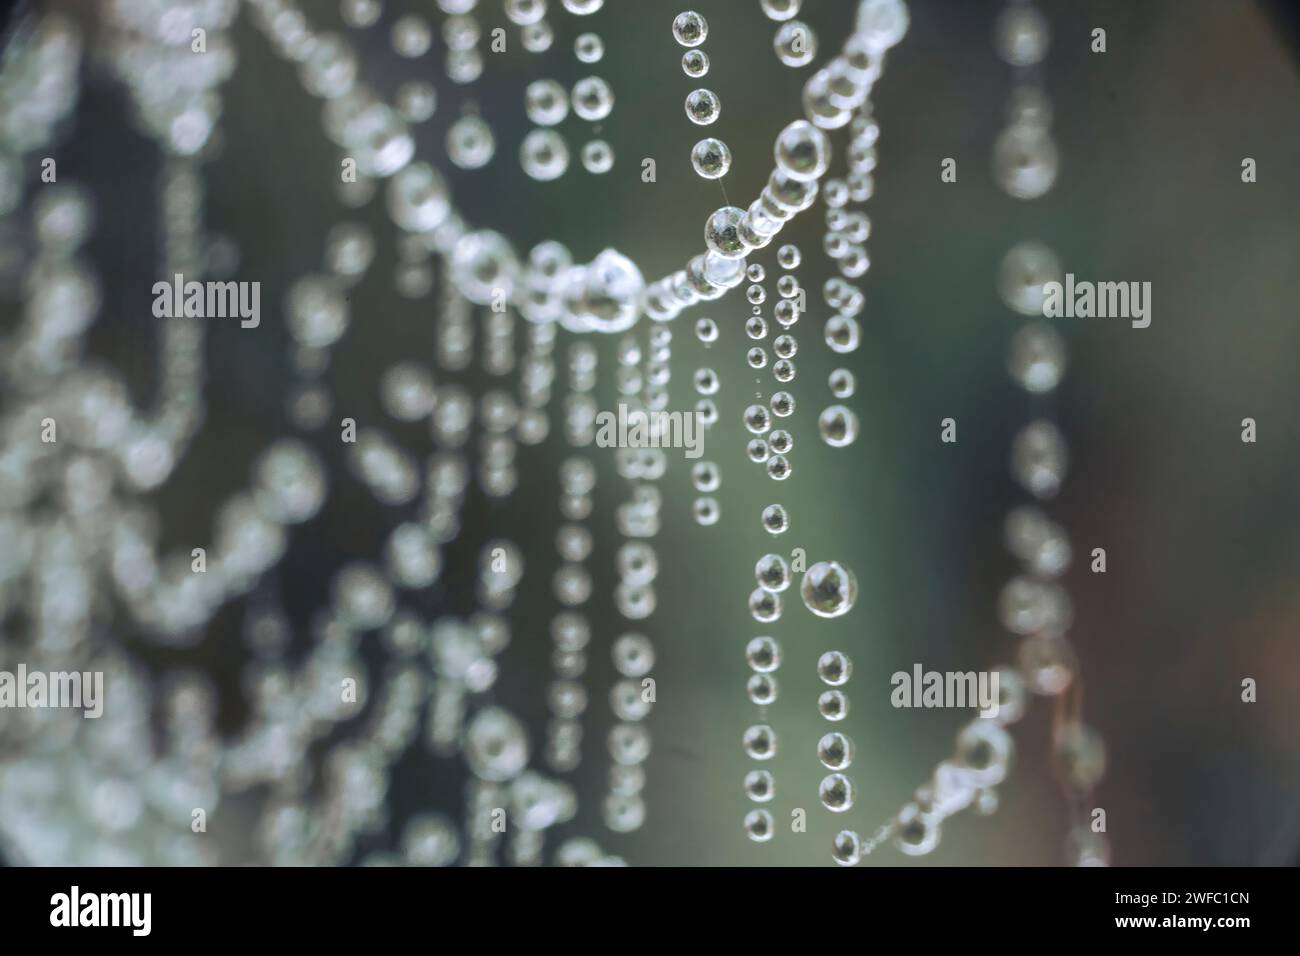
{"x": 1202, "y": 532}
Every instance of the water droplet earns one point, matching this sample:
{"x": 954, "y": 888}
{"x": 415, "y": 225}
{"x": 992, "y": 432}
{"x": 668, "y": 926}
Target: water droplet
{"x": 772, "y": 573}
{"x": 695, "y": 63}
{"x": 703, "y": 107}
{"x": 711, "y": 158}
{"x": 802, "y": 152}
{"x": 544, "y": 155}
{"x": 795, "y": 43}
{"x": 836, "y": 792}
{"x": 829, "y": 589}
{"x": 838, "y": 425}
{"x": 775, "y": 518}
{"x": 545, "y": 102}
{"x": 597, "y": 157}
{"x": 781, "y": 10}
{"x": 690, "y": 29}
{"x": 833, "y": 705}
{"x": 760, "y": 742}
{"x": 846, "y": 850}
{"x": 835, "y": 751}
{"x": 588, "y": 48}
{"x": 763, "y": 654}
{"x": 834, "y": 668}
{"x": 759, "y": 826}
{"x": 722, "y": 235}
{"x": 592, "y": 99}
{"x": 762, "y": 689}
{"x": 760, "y": 786}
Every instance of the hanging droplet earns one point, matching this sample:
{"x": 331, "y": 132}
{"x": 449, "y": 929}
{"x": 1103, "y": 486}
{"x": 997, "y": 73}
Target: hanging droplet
{"x": 695, "y": 63}
{"x": 597, "y": 157}
{"x": 780, "y": 10}
{"x": 588, "y": 48}
{"x": 690, "y": 29}
{"x": 760, "y": 786}
{"x": 592, "y": 99}
{"x": 722, "y": 233}
{"x": 545, "y": 102}
{"x": 760, "y": 742}
{"x": 763, "y": 654}
{"x": 711, "y": 158}
{"x": 1036, "y": 358}
{"x": 775, "y": 518}
{"x": 1025, "y": 269}
{"x": 762, "y": 689}
{"x": 703, "y": 107}
{"x": 838, "y": 425}
{"x": 757, "y": 419}
{"x": 706, "y": 511}
{"x": 834, "y": 668}
{"x": 1021, "y": 35}
{"x": 795, "y": 43}
{"x": 984, "y": 752}
{"x": 829, "y": 589}
{"x": 802, "y": 152}
{"x": 759, "y": 826}
{"x": 842, "y": 334}
{"x": 1025, "y": 161}
{"x": 470, "y": 144}
{"x": 846, "y": 850}
{"x": 544, "y": 155}
{"x": 916, "y": 833}
{"x": 772, "y": 573}
{"x": 833, "y": 705}
{"x": 836, "y": 792}
{"x": 835, "y": 751}
{"x": 764, "y": 606}
{"x": 1039, "y": 458}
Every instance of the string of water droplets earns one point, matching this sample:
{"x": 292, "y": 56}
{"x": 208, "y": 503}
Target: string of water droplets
{"x": 828, "y": 588}
{"x": 295, "y": 706}
{"x": 642, "y": 384}
{"x": 1035, "y": 605}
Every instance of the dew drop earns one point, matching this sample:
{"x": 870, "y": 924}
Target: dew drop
{"x": 703, "y": 107}
{"x": 836, "y": 792}
{"x": 695, "y": 63}
{"x": 838, "y": 425}
{"x": 711, "y": 158}
{"x": 760, "y": 742}
{"x": 829, "y": 589}
{"x": 775, "y": 519}
{"x": 690, "y": 29}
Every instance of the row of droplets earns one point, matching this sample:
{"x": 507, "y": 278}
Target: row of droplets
{"x": 1034, "y": 605}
